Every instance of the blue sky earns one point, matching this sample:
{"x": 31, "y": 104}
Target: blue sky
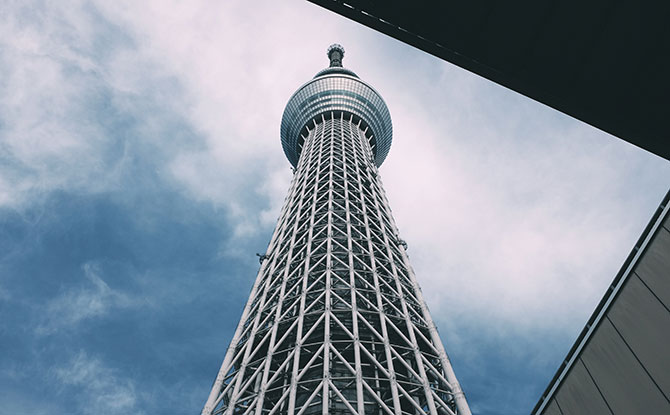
{"x": 141, "y": 170}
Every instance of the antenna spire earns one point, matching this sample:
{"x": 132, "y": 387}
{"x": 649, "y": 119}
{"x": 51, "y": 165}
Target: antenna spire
{"x": 335, "y": 54}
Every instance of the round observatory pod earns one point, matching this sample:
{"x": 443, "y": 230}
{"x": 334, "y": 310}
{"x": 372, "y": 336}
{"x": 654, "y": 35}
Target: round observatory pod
{"x": 336, "y": 91}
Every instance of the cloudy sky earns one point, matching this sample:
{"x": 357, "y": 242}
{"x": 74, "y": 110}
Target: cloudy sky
{"x": 141, "y": 170}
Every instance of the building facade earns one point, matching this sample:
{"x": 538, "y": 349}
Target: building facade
{"x": 335, "y": 323}
{"x": 620, "y": 363}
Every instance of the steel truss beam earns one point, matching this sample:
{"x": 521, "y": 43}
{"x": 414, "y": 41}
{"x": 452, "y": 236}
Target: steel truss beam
{"x": 335, "y": 323}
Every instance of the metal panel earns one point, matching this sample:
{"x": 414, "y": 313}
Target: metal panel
{"x": 552, "y": 409}
{"x": 654, "y": 268}
{"x": 627, "y": 388}
{"x": 644, "y": 324}
{"x": 579, "y": 395}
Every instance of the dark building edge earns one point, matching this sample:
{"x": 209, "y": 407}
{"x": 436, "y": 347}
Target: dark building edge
{"x": 362, "y": 14}
{"x": 627, "y": 269}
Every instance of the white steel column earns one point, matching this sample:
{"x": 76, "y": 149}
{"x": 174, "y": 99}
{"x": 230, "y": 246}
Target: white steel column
{"x": 336, "y": 323}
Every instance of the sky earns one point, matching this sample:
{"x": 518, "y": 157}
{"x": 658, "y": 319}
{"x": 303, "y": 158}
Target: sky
{"x": 141, "y": 171}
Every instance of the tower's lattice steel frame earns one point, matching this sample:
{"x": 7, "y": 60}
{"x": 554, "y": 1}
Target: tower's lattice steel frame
{"x": 335, "y": 323}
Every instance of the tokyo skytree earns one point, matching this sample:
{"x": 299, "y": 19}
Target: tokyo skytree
{"x": 335, "y": 322}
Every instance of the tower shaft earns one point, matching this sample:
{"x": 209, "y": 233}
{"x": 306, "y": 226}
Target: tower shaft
{"x": 335, "y": 323}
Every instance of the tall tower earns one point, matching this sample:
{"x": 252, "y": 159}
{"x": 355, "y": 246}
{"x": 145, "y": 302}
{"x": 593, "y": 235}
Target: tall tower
{"x": 335, "y": 323}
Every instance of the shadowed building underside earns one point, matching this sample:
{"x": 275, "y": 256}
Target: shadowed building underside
{"x": 604, "y": 62}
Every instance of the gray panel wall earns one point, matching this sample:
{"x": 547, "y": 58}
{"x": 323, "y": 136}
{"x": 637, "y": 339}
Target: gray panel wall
{"x": 624, "y": 367}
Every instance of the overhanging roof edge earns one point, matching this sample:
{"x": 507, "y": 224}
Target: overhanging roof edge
{"x": 658, "y": 144}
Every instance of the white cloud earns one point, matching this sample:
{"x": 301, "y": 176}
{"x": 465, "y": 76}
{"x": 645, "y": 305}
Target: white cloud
{"x": 69, "y": 72}
{"x": 86, "y": 301}
{"x": 102, "y": 390}
{"x": 525, "y": 214}
{"x": 527, "y": 203}
{"x": 50, "y": 135}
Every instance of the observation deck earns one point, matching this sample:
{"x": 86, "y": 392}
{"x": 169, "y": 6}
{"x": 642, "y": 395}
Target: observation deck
{"x": 332, "y": 92}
